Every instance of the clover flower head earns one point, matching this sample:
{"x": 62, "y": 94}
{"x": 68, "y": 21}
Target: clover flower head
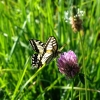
{"x": 68, "y": 64}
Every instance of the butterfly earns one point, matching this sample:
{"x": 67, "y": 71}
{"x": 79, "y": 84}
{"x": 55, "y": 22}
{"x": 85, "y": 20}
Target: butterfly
{"x": 45, "y": 51}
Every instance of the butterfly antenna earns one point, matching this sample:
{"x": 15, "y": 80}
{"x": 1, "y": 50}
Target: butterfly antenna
{"x": 62, "y": 47}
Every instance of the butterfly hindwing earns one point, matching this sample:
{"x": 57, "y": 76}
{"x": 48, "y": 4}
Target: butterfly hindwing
{"x": 36, "y": 60}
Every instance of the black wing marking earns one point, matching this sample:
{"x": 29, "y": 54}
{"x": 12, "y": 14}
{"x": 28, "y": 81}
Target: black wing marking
{"x": 37, "y": 45}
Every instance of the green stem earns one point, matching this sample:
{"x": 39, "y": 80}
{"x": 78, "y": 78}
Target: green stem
{"x": 72, "y": 89}
{"x": 84, "y": 68}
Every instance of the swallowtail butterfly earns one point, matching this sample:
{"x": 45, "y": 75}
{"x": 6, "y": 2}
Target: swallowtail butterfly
{"x": 45, "y": 51}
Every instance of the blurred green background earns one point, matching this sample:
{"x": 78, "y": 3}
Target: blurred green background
{"x": 22, "y": 20}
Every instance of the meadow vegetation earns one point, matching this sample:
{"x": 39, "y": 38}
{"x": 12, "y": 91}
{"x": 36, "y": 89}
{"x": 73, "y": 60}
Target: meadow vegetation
{"x": 22, "y": 20}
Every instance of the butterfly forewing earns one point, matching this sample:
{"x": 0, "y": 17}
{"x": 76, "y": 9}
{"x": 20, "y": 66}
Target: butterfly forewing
{"x": 52, "y": 44}
{"x": 37, "y": 45}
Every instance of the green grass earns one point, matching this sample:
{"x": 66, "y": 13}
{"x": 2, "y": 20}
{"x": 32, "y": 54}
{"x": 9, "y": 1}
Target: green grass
{"x": 22, "y": 20}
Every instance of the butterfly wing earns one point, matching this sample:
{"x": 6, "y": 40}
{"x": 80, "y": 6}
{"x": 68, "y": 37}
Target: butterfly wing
{"x": 50, "y": 50}
{"x": 36, "y": 60}
{"x": 51, "y": 45}
{"x": 37, "y": 45}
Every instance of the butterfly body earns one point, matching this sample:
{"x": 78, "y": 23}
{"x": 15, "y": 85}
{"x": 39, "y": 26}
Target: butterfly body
{"x": 46, "y": 51}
